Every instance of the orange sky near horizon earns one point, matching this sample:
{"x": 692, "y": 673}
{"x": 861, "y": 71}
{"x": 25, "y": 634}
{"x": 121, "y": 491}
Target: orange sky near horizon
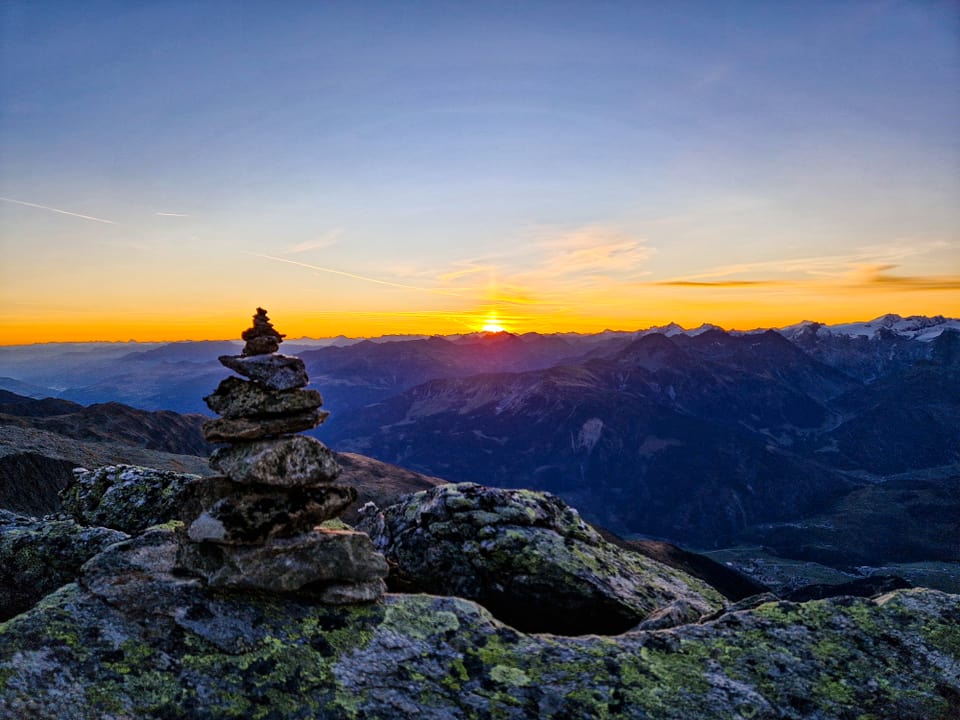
{"x": 580, "y": 279}
{"x": 728, "y": 307}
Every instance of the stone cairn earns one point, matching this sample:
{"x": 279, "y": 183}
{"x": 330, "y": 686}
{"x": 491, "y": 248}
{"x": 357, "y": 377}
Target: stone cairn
{"x": 257, "y": 527}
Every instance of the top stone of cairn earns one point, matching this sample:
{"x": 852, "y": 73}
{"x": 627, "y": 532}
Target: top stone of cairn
{"x": 262, "y": 338}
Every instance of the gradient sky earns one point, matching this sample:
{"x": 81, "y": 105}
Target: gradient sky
{"x": 376, "y": 167}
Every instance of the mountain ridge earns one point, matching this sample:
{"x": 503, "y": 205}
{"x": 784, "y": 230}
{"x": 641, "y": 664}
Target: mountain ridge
{"x": 692, "y": 436}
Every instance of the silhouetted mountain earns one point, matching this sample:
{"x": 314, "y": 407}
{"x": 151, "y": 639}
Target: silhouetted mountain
{"x": 352, "y": 376}
{"x": 656, "y": 440}
{"x": 700, "y": 436}
{"x": 25, "y": 389}
{"x": 174, "y": 376}
{"x": 187, "y": 351}
{"x": 692, "y": 438}
{"x": 107, "y": 422}
{"x": 20, "y": 405}
{"x": 150, "y": 376}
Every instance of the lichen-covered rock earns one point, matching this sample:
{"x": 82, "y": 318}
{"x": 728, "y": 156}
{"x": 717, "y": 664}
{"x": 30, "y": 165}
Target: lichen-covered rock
{"x": 229, "y": 430}
{"x": 289, "y": 462}
{"x": 235, "y": 398}
{"x": 124, "y": 497}
{"x": 277, "y": 372}
{"x": 285, "y": 564}
{"x": 133, "y": 640}
{"x": 530, "y": 559}
{"x": 220, "y": 510}
{"x": 139, "y": 575}
{"x": 38, "y": 556}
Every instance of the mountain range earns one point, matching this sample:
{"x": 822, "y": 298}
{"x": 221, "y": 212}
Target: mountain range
{"x": 831, "y": 444}
{"x": 690, "y": 438}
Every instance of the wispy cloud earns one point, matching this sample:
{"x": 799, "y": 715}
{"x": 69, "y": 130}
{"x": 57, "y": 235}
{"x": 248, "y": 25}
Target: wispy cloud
{"x": 325, "y": 240}
{"x": 58, "y": 210}
{"x": 557, "y": 257}
{"x": 719, "y": 283}
{"x": 879, "y": 276}
{"x": 355, "y": 276}
{"x": 545, "y": 272}
{"x": 595, "y": 250}
{"x": 170, "y": 214}
{"x": 551, "y": 269}
{"x": 826, "y": 267}
{"x": 466, "y": 269}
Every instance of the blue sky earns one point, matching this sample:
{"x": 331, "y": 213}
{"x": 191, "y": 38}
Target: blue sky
{"x": 496, "y": 157}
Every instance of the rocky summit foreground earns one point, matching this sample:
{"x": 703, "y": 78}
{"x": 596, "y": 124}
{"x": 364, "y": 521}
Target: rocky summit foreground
{"x": 245, "y": 608}
{"x": 132, "y": 639}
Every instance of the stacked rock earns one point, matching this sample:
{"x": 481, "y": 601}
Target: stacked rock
{"x": 257, "y": 526}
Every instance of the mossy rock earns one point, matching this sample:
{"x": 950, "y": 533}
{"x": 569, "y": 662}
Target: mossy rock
{"x": 133, "y": 639}
{"x": 129, "y": 498}
{"x": 38, "y": 556}
{"x": 530, "y": 559}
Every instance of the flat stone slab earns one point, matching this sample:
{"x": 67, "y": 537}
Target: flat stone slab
{"x": 299, "y": 461}
{"x": 319, "y": 557}
{"x": 222, "y": 511}
{"x": 229, "y": 430}
{"x": 349, "y": 593}
{"x": 277, "y": 372}
{"x": 236, "y": 398}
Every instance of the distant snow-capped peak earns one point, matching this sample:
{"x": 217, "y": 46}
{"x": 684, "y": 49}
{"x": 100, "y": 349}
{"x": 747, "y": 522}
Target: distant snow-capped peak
{"x": 914, "y": 327}
{"x": 674, "y": 329}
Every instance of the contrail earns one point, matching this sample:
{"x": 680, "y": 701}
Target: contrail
{"x": 166, "y": 214}
{"x": 57, "y": 210}
{"x": 351, "y": 275}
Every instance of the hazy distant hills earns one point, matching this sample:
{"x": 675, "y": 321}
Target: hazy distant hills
{"x": 352, "y": 373}
{"x": 366, "y": 372}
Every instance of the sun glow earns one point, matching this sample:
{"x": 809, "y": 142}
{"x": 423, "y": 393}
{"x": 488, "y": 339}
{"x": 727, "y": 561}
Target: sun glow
{"x": 492, "y": 323}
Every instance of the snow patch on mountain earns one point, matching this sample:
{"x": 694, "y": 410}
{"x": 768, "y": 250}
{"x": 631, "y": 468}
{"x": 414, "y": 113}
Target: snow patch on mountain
{"x": 674, "y": 329}
{"x": 589, "y": 434}
{"x": 913, "y": 327}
